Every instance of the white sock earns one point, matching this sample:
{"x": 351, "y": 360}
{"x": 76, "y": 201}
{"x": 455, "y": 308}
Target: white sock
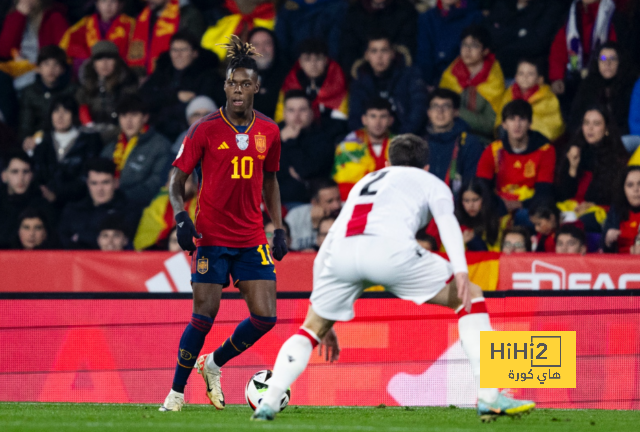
{"x": 291, "y": 362}
{"x": 210, "y": 363}
{"x": 469, "y": 327}
{"x": 172, "y": 392}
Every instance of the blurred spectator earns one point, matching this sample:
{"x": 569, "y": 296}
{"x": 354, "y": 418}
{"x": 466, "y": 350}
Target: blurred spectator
{"x": 453, "y": 151}
{"x": 33, "y": 231}
{"x": 523, "y": 28}
{"x": 272, "y": 70}
{"x": 477, "y": 76}
{"x": 570, "y": 239}
{"x": 199, "y": 107}
{"x": 632, "y": 141}
{"x": 157, "y": 218}
{"x": 154, "y": 28}
{"x": 141, "y": 154}
{"x": 104, "y": 80}
{"x": 107, "y": 23}
{"x": 516, "y": 240}
{"x": 397, "y": 17}
{"x": 52, "y": 80}
{"x": 591, "y": 165}
{"x": 621, "y": 232}
{"x": 18, "y": 192}
{"x": 427, "y": 241}
{"x": 172, "y": 244}
{"x": 439, "y": 32}
{"x": 610, "y": 84}
{"x": 61, "y": 152}
{"x": 181, "y": 74}
{"x": 520, "y": 163}
{"x": 529, "y": 85}
{"x": 32, "y": 25}
{"x": 269, "y": 229}
{"x": 304, "y": 220}
{"x": 8, "y": 101}
{"x": 240, "y": 17}
{"x": 364, "y": 150}
{"x": 308, "y": 147}
{"x": 545, "y": 219}
{"x": 81, "y": 221}
{"x": 324, "y": 226}
{"x": 112, "y": 236}
{"x": 299, "y": 20}
{"x": 387, "y": 74}
{"x": 320, "y": 78}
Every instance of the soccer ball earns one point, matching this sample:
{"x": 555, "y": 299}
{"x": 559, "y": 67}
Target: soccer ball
{"x": 257, "y": 385}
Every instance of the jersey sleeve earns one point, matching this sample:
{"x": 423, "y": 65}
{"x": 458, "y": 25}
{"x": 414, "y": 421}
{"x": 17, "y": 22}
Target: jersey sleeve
{"x": 272, "y": 161}
{"x": 191, "y": 150}
{"x": 486, "y": 167}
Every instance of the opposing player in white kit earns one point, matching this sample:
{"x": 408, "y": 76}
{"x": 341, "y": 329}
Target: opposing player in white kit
{"x": 373, "y": 243}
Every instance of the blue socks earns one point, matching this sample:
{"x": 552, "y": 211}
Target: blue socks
{"x": 246, "y": 334}
{"x": 190, "y": 345}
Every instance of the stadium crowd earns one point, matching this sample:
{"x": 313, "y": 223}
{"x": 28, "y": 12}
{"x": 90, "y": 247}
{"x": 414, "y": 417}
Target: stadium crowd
{"x": 531, "y": 109}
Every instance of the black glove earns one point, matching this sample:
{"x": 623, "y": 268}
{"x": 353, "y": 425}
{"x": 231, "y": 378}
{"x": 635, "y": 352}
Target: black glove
{"x": 186, "y": 231}
{"x": 280, "y": 248}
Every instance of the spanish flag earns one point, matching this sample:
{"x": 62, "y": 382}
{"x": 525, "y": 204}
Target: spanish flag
{"x": 78, "y": 40}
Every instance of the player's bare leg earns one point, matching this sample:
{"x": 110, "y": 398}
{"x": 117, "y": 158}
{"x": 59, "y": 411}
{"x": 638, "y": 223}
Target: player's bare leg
{"x": 260, "y": 296}
{"x": 293, "y": 358}
{"x": 471, "y": 322}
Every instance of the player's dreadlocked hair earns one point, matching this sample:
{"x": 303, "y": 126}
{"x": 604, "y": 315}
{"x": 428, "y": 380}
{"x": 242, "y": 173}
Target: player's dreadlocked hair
{"x": 241, "y": 55}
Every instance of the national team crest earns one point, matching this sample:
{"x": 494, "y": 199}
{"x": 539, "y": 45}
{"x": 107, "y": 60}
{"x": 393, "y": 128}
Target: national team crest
{"x": 203, "y": 265}
{"x": 261, "y": 143}
{"x": 243, "y": 141}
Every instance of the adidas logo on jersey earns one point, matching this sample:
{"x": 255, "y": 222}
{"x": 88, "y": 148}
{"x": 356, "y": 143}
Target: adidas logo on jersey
{"x": 223, "y": 146}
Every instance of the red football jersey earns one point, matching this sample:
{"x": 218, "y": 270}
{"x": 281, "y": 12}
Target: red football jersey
{"x": 228, "y": 212}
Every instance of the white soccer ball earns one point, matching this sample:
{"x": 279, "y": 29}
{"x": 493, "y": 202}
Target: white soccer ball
{"x": 257, "y": 385}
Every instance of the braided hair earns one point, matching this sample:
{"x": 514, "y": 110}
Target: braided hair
{"x": 241, "y": 54}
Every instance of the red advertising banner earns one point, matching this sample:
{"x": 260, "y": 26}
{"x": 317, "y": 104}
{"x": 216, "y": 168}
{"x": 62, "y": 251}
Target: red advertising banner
{"x": 394, "y": 352}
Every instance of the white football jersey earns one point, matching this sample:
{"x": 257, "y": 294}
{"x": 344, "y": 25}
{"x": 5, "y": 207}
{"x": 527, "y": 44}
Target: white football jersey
{"x": 393, "y": 202}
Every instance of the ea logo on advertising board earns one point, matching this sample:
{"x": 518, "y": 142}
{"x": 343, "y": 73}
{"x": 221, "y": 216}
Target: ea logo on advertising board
{"x": 528, "y": 359}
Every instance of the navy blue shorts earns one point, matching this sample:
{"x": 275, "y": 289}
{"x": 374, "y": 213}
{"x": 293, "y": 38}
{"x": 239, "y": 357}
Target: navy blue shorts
{"x": 214, "y": 264}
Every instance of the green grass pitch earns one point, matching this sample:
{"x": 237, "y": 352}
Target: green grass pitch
{"x": 98, "y": 417}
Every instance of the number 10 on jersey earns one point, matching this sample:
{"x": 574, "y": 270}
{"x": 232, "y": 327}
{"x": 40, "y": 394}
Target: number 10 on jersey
{"x": 245, "y": 168}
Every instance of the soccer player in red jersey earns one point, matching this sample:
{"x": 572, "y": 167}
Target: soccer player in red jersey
{"x": 238, "y": 150}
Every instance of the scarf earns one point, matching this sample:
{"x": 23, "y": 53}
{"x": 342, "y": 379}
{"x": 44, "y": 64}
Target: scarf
{"x": 79, "y": 39}
{"x": 599, "y": 34}
{"x": 143, "y": 53}
{"x": 463, "y": 75}
{"x": 123, "y": 149}
{"x": 459, "y": 4}
{"x": 518, "y": 94}
{"x": 263, "y": 11}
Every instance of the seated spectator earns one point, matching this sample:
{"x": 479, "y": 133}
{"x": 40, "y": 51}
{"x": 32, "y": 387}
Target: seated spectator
{"x": 272, "y": 70}
{"x": 397, "y": 17}
{"x": 269, "y": 230}
{"x": 545, "y": 219}
{"x": 81, "y": 221}
{"x": 199, "y": 107}
{"x": 516, "y": 240}
{"x": 52, "y": 80}
{"x": 621, "y": 232}
{"x": 31, "y": 26}
{"x": 523, "y": 28}
{"x": 322, "y": 19}
{"x": 324, "y": 226}
{"x": 387, "y": 74}
{"x": 304, "y": 220}
{"x": 155, "y": 26}
{"x": 307, "y": 148}
{"x": 18, "y": 193}
{"x": 320, "y": 78}
{"x": 439, "y": 31}
{"x": 239, "y": 17}
{"x": 591, "y": 165}
{"x": 477, "y": 76}
{"x": 427, "y": 241}
{"x": 157, "y": 218}
{"x": 520, "y": 163}
{"x": 609, "y": 84}
{"x": 529, "y": 85}
{"x": 570, "y": 239}
{"x": 141, "y": 154}
{"x": 108, "y": 23}
{"x": 454, "y": 152}
{"x": 364, "y": 150}
{"x": 61, "y": 152}
{"x": 33, "y": 231}
{"x": 105, "y": 79}
{"x": 589, "y": 26}
{"x": 112, "y": 236}
{"x": 8, "y": 101}
{"x": 180, "y": 75}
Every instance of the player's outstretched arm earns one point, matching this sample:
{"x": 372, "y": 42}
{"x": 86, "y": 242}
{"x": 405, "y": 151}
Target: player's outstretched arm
{"x": 271, "y": 194}
{"x": 185, "y": 229}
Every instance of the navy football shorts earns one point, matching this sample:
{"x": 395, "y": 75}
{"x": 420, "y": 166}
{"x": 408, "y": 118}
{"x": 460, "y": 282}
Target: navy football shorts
{"x": 214, "y": 264}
